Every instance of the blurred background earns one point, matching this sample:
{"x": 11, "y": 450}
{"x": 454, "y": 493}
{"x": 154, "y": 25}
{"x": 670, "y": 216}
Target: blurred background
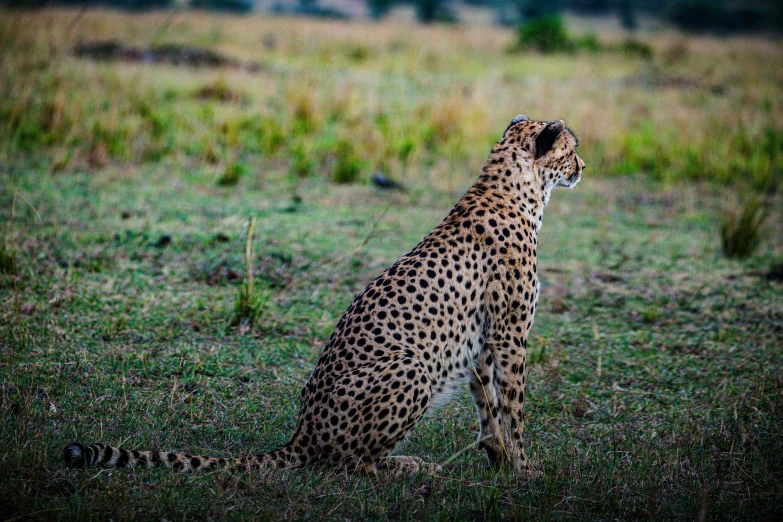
{"x": 702, "y": 15}
{"x": 673, "y": 89}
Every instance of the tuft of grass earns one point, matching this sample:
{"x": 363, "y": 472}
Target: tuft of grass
{"x": 634, "y": 47}
{"x": 219, "y": 91}
{"x": 249, "y": 301}
{"x": 303, "y": 110}
{"x": 675, "y": 52}
{"x": 249, "y": 305}
{"x": 357, "y": 53}
{"x": 651, "y": 313}
{"x": 742, "y": 229}
{"x": 590, "y": 43}
{"x": 491, "y": 502}
{"x": 347, "y": 163}
{"x": 7, "y": 259}
{"x": 232, "y": 173}
{"x": 541, "y": 355}
{"x": 302, "y": 165}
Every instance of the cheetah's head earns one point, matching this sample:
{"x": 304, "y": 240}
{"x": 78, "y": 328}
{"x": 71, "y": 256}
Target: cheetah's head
{"x": 551, "y": 149}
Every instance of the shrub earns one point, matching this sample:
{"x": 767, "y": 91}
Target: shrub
{"x": 546, "y": 34}
{"x": 741, "y": 230}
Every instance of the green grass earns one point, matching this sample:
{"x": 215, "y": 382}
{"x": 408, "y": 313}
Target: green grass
{"x": 655, "y": 388}
{"x": 742, "y": 229}
{"x": 679, "y": 109}
{"x": 232, "y": 172}
{"x": 655, "y": 360}
{"x": 7, "y": 259}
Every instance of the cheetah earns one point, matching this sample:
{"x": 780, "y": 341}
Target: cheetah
{"x": 458, "y": 307}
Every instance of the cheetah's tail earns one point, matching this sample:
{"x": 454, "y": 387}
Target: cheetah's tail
{"x": 78, "y": 455}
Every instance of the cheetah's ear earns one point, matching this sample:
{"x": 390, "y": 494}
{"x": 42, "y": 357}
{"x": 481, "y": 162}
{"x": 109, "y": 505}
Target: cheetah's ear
{"x": 547, "y": 137}
{"x": 516, "y": 120}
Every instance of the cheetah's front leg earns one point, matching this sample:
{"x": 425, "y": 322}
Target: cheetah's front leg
{"x": 508, "y": 326}
{"x": 512, "y": 377}
{"x": 504, "y": 410}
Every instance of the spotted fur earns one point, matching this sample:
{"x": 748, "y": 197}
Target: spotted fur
{"x": 458, "y": 307}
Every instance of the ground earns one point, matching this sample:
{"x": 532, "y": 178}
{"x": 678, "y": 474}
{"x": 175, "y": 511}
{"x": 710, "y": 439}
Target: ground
{"x": 655, "y": 376}
{"x": 655, "y": 388}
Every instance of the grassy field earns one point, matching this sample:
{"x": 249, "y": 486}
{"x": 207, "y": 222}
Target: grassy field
{"x": 343, "y": 100}
{"x": 126, "y": 187}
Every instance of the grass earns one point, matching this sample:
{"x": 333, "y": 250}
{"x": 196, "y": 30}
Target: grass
{"x": 655, "y": 362}
{"x": 742, "y": 230}
{"x": 680, "y": 109}
{"x": 347, "y": 164}
{"x": 249, "y": 302}
{"x": 655, "y": 387}
{"x": 7, "y": 259}
{"x": 232, "y": 173}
